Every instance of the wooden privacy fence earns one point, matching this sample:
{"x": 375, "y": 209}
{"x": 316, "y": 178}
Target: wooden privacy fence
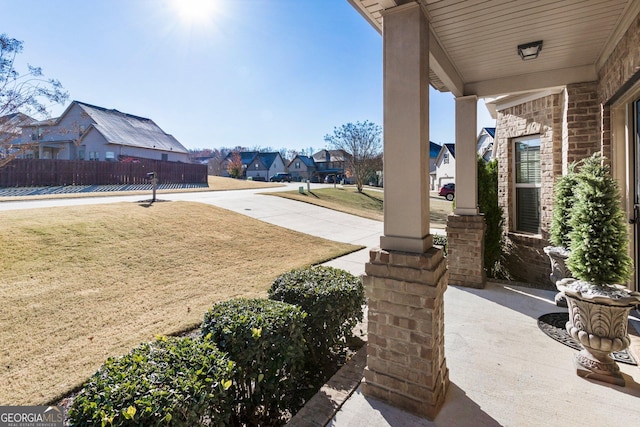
{"x": 43, "y": 172}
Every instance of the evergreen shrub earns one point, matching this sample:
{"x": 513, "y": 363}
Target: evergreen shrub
{"x": 488, "y": 205}
{"x": 169, "y": 382}
{"x": 265, "y": 340}
{"x": 333, "y": 300}
{"x": 599, "y": 236}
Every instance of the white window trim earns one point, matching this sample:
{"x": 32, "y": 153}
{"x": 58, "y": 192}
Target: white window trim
{"x": 517, "y": 185}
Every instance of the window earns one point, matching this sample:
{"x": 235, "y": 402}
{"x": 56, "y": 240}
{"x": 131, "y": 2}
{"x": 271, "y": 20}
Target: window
{"x": 297, "y": 165}
{"x": 109, "y": 156}
{"x": 81, "y": 154}
{"x": 445, "y": 158}
{"x": 164, "y": 157}
{"x": 94, "y": 155}
{"x": 527, "y": 185}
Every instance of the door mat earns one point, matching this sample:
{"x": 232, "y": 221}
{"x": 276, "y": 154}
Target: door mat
{"x": 553, "y": 324}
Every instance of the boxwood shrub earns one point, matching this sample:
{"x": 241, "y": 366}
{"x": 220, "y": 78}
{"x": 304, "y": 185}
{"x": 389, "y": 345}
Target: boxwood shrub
{"x": 333, "y": 300}
{"x": 265, "y": 339}
{"x": 172, "y": 382}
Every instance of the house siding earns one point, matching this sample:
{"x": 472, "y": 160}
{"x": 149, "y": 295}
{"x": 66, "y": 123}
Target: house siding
{"x": 445, "y": 172}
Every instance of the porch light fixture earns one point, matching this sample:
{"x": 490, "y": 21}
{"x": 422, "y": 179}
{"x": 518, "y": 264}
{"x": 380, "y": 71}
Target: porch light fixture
{"x": 529, "y": 51}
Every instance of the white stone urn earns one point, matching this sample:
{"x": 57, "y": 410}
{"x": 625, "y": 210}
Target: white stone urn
{"x": 598, "y": 317}
{"x": 558, "y": 257}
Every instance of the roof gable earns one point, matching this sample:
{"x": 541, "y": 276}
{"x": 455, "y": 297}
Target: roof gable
{"x": 434, "y": 149}
{"x": 126, "y": 129}
{"x": 308, "y": 161}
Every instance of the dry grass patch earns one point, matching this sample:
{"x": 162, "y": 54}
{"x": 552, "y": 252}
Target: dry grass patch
{"x": 80, "y": 284}
{"x": 368, "y": 204}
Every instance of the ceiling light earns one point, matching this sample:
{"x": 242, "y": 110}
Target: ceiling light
{"x": 529, "y": 50}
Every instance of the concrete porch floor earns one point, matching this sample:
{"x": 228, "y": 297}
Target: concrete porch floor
{"x": 504, "y": 371}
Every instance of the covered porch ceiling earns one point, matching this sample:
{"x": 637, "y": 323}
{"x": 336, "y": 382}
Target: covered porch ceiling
{"x": 473, "y": 44}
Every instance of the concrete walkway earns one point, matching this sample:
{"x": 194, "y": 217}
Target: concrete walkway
{"x": 504, "y": 371}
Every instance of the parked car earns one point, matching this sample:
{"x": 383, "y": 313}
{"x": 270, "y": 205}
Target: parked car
{"x": 448, "y": 191}
{"x": 281, "y": 177}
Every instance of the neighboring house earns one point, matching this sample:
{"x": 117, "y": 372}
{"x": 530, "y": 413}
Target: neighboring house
{"x": 265, "y": 165}
{"x": 303, "y": 168}
{"x": 485, "y": 143}
{"x": 256, "y": 165}
{"x": 446, "y": 165}
{"x": 89, "y": 132}
{"x": 434, "y": 150}
{"x": 331, "y": 162}
{"x": 11, "y": 141}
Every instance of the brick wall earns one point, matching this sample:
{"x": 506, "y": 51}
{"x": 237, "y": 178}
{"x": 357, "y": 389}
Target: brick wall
{"x": 571, "y": 125}
{"x": 622, "y": 66}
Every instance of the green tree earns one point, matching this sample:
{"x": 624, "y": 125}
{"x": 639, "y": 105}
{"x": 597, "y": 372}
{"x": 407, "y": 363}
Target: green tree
{"x": 488, "y": 204}
{"x": 599, "y": 235}
{"x": 362, "y": 141}
{"x": 563, "y": 199}
{"x": 29, "y": 93}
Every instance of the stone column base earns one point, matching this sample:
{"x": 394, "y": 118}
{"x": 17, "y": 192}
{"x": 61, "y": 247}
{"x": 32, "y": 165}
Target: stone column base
{"x": 406, "y": 366}
{"x": 465, "y": 250}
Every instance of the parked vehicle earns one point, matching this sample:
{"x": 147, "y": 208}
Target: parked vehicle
{"x": 448, "y": 191}
{"x": 281, "y": 177}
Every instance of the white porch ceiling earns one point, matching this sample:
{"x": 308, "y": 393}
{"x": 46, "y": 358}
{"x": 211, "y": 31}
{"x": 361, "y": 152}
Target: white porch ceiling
{"x": 475, "y": 49}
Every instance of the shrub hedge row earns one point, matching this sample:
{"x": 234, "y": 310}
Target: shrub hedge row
{"x": 247, "y": 369}
{"x": 171, "y": 381}
{"x": 265, "y": 338}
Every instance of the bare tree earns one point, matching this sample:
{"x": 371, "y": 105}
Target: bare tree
{"x": 362, "y": 141}
{"x": 21, "y": 96}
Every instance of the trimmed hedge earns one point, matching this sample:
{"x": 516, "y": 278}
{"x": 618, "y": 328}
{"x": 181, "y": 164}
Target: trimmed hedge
{"x": 265, "y": 339}
{"x": 332, "y": 299}
{"x": 172, "y": 382}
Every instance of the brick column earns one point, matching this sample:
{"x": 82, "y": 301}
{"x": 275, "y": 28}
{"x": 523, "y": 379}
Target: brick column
{"x": 405, "y": 351}
{"x": 465, "y": 250}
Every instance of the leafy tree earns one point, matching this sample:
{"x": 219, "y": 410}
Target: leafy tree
{"x": 488, "y": 204}
{"x": 362, "y": 141}
{"x": 29, "y": 93}
{"x": 235, "y": 165}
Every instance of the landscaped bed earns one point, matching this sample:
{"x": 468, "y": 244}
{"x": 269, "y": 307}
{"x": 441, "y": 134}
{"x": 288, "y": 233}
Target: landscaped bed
{"x": 81, "y": 284}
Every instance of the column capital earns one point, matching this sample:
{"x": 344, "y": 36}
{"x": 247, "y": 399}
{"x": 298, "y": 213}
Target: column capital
{"x": 467, "y": 98}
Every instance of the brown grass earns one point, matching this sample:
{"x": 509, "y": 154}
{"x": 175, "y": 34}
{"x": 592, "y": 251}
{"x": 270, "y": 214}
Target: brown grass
{"x": 368, "y": 204}
{"x": 80, "y": 284}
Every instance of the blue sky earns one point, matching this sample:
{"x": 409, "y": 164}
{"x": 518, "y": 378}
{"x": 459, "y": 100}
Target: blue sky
{"x": 268, "y": 73}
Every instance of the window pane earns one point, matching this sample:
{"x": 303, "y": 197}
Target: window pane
{"x": 528, "y": 207}
{"x": 528, "y": 162}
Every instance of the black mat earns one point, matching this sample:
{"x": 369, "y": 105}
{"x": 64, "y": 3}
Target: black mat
{"x": 553, "y": 324}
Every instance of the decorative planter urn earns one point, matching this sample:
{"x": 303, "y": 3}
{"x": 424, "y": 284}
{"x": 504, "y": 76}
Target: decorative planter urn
{"x": 558, "y": 257}
{"x": 598, "y": 317}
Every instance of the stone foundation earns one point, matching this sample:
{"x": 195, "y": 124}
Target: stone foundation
{"x": 465, "y": 250}
{"x": 405, "y": 352}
